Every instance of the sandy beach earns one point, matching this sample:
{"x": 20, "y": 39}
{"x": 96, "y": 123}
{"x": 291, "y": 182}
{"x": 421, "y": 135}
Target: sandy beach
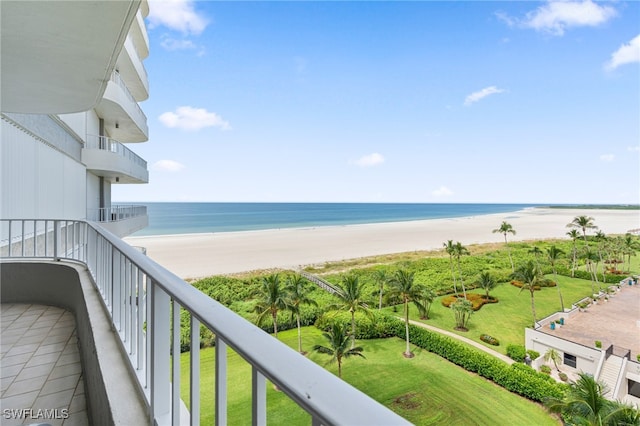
{"x": 200, "y": 255}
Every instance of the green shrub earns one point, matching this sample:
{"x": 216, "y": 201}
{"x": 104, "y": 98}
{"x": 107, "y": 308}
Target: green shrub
{"x": 519, "y": 379}
{"x": 545, "y": 369}
{"x": 489, "y": 339}
{"x": 380, "y": 327}
{"x": 563, "y": 376}
{"x": 533, "y": 354}
{"x": 477, "y": 300}
{"x": 517, "y": 352}
{"x": 598, "y": 344}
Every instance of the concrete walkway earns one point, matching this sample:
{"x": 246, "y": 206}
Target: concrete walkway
{"x": 462, "y": 339}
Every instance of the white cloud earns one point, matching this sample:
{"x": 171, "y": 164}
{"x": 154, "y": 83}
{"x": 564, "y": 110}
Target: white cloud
{"x": 626, "y": 54}
{"x": 167, "y": 166}
{"x": 476, "y": 96}
{"x": 178, "y": 15}
{"x": 607, "y": 157}
{"x": 172, "y": 44}
{"x": 557, "y": 16}
{"x": 443, "y": 191}
{"x": 634, "y": 148}
{"x": 189, "y": 118}
{"x": 370, "y": 160}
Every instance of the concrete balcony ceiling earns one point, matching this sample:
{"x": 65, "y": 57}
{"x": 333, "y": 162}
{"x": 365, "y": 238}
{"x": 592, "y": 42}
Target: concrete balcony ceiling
{"x": 57, "y": 56}
{"x": 123, "y": 118}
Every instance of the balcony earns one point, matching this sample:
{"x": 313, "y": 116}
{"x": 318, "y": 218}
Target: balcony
{"x": 120, "y": 220}
{"x": 123, "y": 117}
{"x": 39, "y": 48}
{"x": 110, "y": 159}
{"x": 138, "y": 33}
{"x": 132, "y": 71}
{"x": 141, "y": 301}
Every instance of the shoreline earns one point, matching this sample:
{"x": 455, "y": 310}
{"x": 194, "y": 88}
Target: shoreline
{"x": 216, "y": 253}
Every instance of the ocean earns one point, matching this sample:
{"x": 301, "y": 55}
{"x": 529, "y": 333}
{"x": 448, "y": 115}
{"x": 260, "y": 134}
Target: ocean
{"x": 196, "y": 218}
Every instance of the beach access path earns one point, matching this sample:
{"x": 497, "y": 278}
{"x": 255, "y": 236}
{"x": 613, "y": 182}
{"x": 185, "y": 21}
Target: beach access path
{"x": 199, "y": 255}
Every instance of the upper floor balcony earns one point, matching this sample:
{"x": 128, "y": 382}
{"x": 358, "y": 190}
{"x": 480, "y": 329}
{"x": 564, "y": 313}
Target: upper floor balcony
{"x": 138, "y": 33}
{"x": 120, "y": 220}
{"x": 132, "y": 71}
{"x": 127, "y": 311}
{"x": 110, "y": 159}
{"x": 123, "y": 117}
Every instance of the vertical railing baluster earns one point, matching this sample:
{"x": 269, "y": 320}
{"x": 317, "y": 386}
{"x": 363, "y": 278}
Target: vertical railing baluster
{"x": 194, "y": 394}
{"x": 160, "y": 347}
{"x": 35, "y": 238}
{"x": 140, "y": 325}
{"x": 175, "y": 367}
{"x": 10, "y": 242}
{"x": 148, "y": 302}
{"x": 221, "y": 382}
{"x": 22, "y": 248}
{"x": 56, "y": 225}
{"x": 46, "y": 238}
{"x": 127, "y": 303}
{"x": 258, "y": 398}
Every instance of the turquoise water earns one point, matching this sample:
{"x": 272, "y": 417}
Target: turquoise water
{"x": 192, "y": 218}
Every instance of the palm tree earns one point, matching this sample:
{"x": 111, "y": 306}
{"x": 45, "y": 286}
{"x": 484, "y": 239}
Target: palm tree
{"x": 272, "y": 298}
{"x": 585, "y": 404}
{"x": 584, "y": 223}
{"x": 426, "y": 299}
{"x": 573, "y": 234}
{"x": 351, "y": 299}
{"x": 338, "y": 339}
{"x": 536, "y": 252}
{"x": 458, "y": 252}
{"x": 529, "y": 275}
{"x": 629, "y": 245}
{"x": 553, "y": 255}
{"x": 298, "y": 295}
{"x": 504, "y": 229}
{"x": 381, "y": 278}
{"x": 449, "y": 247}
{"x": 553, "y": 355}
{"x": 602, "y": 240}
{"x": 487, "y": 282}
{"x": 462, "y": 309}
{"x": 404, "y": 288}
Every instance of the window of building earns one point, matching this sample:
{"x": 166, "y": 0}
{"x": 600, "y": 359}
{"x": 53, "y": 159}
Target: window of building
{"x": 634, "y": 388}
{"x": 570, "y": 360}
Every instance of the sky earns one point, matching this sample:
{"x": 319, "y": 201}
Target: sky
{"x": 386, "y": 101}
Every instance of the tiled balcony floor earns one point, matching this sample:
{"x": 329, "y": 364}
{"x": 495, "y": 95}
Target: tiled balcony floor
{"x": 40, "y": 367}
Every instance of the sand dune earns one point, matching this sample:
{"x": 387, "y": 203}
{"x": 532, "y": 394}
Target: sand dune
{"x": 200, "y": 255}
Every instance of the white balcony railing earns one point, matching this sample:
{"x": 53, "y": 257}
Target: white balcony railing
{"x": 115, "y": 77}
{"x": 107, "y": 144}
{"x": 144, "y": 301}
{"x": 116, "y": 213}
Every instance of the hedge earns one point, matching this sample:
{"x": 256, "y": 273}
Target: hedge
{"x": 517, "y": 378}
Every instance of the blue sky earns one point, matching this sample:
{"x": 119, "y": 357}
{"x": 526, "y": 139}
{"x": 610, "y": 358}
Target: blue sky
{"x": 423, "y": 101}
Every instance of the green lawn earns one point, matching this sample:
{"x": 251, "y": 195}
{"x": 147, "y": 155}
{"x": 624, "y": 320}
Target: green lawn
{"x": 507, "y": 319}
{"x": 426, "y": 389}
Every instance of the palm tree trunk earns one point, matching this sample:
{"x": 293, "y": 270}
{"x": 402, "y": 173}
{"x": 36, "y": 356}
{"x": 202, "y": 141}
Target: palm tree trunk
{"x": 464, "y": 290}
{"x": 533, "y": 307}
{"x": 555, "y": 275}
{"x": 339, "y": 366}
{"x": 299, "y": 333}
{"x": 513, "y": 268}
{"x": 406, "y": 326}
{"x": 275, "y": 324}
{"x": 453, "y": 275}
{"x": 353, "y": 329}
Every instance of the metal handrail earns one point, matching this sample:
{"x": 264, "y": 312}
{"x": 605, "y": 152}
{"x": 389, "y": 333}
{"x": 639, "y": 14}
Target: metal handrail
{"x": 116, "y": 78}
{"x": 144, "y": 300}
{"x": 116, "y": 213}
{"x": 105, "y": 143}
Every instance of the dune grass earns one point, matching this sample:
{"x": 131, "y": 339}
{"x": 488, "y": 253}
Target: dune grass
{"x": 427, "y": 390}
